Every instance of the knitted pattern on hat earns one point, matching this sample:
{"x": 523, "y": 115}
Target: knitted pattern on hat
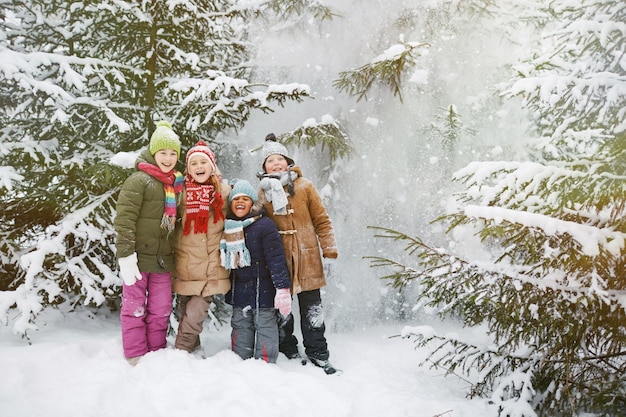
{"x": 164, "y": 138}
{"x": 202, "y": 149}
{"x": 242, "y": 187}
{"x": 272, "y": 147}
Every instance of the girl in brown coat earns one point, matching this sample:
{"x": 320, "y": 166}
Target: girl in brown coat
{"x": 198, "y": 273}
{"x": 296, "y": 207}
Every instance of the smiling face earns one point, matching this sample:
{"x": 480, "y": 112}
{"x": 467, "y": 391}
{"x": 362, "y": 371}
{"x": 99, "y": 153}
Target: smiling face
{"x": 200, "y": 169}
{"x": 275, "y": 163}
{"x": 166, "y": 160}
{"x": 241, "y": 205}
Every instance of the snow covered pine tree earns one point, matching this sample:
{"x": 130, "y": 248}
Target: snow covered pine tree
{"x": 551, "y": 287}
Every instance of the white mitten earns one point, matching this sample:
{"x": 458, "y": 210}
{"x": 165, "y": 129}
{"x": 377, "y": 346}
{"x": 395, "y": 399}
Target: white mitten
{"x": 129, "y": 271}
{"x": 282, "y": 301}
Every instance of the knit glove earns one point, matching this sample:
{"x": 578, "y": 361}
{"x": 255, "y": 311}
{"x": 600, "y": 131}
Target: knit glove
{"x": 129, "y": 271}
{"x": 329, "y": 266}
{"x": 282, "y": 301}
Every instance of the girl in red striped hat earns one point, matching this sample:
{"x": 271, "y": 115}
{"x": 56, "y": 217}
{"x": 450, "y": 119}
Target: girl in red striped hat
{"x": 198, "y": 274}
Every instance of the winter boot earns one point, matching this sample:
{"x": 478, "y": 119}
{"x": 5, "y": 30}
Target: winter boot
{"x": 133, "y": 361}
{"x": 293, "y": 355}
{"x": 325, "y": 365}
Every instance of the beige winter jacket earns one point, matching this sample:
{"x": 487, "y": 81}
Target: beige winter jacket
{"x": 305, "y": 223}
{"x": 198, "y": 270}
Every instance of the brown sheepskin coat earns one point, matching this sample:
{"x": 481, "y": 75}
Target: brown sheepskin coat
{"x": 198, "y": 270}
{"x": 307, "y": 216}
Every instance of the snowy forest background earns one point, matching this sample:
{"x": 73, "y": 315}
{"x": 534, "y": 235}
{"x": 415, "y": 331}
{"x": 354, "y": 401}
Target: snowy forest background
{"x": 471, "y": 153}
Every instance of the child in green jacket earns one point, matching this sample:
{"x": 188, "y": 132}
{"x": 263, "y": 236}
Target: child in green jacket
{"x": 146, "y": 216}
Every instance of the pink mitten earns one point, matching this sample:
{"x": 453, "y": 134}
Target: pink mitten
{"x": 282, "y": 301}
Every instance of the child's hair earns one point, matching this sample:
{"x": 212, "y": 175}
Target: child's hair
{"x": 215, "y": 181}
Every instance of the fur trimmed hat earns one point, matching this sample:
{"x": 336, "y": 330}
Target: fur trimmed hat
{"x": 242, "y": 187}
{"x": 202, "y": 149}
{"x": 164, "y": 138}
{"x": 273, "y": 147}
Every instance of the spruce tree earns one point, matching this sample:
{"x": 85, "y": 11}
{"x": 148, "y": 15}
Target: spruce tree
{"x": 82, "y": 84}
{"x": 549, "y": 281}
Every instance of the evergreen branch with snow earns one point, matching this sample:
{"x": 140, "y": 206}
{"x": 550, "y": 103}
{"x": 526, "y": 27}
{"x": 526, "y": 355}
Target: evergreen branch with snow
{"x": 225, "y": 102}
{"x": 544, "y": 343}
{"x": 326, "y": 134}
{"x": 388, "y": 69}
{"x": 482, "y": 367}
{"x": 70, "y": 264}
{"x": 285, "y": 10}
{"x": 582, "y": 78}
{"x": 536, "y": 249}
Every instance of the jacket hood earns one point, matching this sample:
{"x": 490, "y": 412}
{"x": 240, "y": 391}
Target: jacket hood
{"x": 297, "y": 170}
{"x": 145, "y": 156}
{"x": 257, "y": 208}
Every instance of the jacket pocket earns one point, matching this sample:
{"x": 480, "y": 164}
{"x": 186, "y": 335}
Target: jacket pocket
{"x": 310, "y": 264}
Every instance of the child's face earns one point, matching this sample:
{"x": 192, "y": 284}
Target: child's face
{"x": 241, "y": 205}
{"x": 166, "y": 159}
{"x": 199, "y": 168}
{"x": 275, "y": 163}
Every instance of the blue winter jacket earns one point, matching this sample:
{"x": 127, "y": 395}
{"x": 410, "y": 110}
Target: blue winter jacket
{"x": 255, "y": 285}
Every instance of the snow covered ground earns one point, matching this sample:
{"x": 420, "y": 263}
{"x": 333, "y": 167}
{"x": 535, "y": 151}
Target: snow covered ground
{"x": 75, "y": 368}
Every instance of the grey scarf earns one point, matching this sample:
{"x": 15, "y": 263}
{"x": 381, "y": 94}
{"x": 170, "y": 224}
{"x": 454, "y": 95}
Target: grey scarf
{"x": 273, "y": 185}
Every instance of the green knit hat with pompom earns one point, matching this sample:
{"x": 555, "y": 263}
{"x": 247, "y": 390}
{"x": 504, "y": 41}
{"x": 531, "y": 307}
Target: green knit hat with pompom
{"x": 164, "y": 138}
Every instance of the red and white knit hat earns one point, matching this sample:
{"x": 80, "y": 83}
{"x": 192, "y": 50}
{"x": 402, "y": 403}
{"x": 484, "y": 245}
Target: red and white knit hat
{"x": 202, "y": 149}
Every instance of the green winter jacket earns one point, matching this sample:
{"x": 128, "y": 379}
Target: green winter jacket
{"x": 140, "y": 208}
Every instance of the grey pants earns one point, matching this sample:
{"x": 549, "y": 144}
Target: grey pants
{"x": 192, "y": 311}
{"x": 255, "y": 333}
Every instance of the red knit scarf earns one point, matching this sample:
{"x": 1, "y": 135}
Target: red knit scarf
{"x": 201, "y": 197}
{"x": 172, "y": 184}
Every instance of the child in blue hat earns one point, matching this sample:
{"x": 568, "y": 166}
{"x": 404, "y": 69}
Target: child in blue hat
{"x": 252, "y": 249}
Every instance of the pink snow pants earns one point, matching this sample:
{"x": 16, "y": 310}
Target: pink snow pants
{"x": 145, "y": 315}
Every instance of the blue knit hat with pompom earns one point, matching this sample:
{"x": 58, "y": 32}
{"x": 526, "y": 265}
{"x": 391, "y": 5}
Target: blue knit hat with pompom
{"x": 242, "y": 187}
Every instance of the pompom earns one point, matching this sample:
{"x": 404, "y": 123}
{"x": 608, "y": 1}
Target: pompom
{"x": 164, "y": 123}
{"x": 271, "y": 137}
